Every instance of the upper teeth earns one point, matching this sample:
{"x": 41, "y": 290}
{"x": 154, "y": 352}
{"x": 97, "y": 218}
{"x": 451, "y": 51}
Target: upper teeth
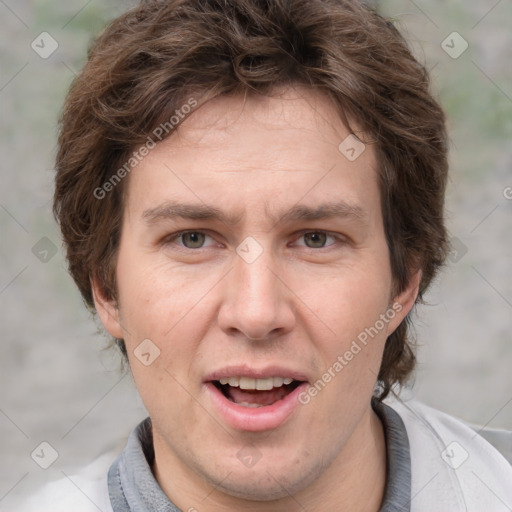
{"x": 259, "y": 384}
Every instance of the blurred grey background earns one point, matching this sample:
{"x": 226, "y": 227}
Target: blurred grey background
{"x": 58, "y": 385}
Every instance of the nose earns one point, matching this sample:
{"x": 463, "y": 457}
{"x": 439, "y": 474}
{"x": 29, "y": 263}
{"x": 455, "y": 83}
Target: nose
{"x": 257, "y": 304}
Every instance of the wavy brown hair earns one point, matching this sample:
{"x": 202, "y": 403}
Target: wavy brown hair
{"x": 145, "y": 65}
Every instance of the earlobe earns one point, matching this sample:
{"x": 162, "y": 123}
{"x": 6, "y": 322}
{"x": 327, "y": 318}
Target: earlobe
{"x": 107, "y": 309}
{"x": 405, "y": 300}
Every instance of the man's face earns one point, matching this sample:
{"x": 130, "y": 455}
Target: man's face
{"x": 268, "y": 290}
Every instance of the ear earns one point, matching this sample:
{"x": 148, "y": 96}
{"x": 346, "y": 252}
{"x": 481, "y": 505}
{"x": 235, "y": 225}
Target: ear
{"x": 107, "y": 309}
{"x": 404, "y": 302}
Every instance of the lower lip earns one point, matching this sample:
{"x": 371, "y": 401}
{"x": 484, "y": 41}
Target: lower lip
{"x": 256, "y": 418}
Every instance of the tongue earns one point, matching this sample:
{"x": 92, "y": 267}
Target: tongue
{"x": 238, "y": 395}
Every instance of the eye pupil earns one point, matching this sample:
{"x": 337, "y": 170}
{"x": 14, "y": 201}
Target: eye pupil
{"x": 316, "y": 237}
{"x": 195, "y": 237}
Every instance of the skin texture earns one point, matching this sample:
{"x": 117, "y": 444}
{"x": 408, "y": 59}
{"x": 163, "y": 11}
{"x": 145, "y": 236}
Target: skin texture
{"x": 300, "y": 304}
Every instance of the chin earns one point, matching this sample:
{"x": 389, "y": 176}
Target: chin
{"x": 255, "y": 491}
{"x": 267, "y": 483}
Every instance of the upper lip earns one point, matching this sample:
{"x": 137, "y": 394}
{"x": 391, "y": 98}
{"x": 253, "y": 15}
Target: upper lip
{"x": 255, "y": 373}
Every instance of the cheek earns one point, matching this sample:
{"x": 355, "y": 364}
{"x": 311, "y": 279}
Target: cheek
{"x": 166, "y": 305}
{"x": 350, "y": 310}
{"x": 153, "y": 296}
{"x": 351, "y": 299}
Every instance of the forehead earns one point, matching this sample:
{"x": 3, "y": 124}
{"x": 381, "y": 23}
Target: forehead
{"x": 289, "y": 116}
{"x": 258, "y": 151}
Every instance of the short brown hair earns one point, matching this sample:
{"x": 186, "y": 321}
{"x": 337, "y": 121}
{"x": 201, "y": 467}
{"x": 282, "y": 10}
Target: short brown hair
{"x": 147, "y": 62}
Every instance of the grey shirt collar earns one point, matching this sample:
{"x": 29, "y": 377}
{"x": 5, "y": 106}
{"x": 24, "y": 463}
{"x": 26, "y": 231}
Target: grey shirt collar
{"x": 133, "y": 488}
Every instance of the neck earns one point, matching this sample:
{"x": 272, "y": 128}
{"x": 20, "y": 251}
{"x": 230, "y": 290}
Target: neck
{"x": 355, "y": 480}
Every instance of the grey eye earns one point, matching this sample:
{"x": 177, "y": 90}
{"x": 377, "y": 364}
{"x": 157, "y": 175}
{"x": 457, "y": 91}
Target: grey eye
{"x": 317, "y": 238}
{"x": 195, "y": 238}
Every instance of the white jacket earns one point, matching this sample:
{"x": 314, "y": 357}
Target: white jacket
{"x": 453, "y": 470}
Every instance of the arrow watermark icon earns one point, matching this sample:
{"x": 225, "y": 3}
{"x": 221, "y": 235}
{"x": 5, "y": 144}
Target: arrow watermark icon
{"x": 454, "y": 45}
{"x": 249, "y": 250}
{"x": 146, "y": 352}
{"x": 44, "y": 250}
{"x": 44, "y": 455}
{"x": 351, "y": 147}
{"x": 44, "y": 45}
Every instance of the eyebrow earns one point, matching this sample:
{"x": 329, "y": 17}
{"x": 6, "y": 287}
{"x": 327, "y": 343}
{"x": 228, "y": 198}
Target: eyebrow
{"x": 171, "y": 210}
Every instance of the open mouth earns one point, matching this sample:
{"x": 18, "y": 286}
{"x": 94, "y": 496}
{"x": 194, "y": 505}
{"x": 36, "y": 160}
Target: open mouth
{"x": 250, "y": 392}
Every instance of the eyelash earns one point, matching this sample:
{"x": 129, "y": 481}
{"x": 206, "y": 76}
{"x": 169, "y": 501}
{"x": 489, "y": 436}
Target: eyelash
{"x": 171, "y": 238}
